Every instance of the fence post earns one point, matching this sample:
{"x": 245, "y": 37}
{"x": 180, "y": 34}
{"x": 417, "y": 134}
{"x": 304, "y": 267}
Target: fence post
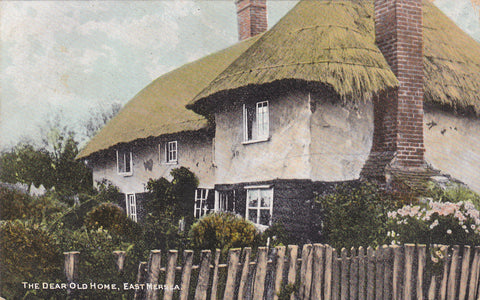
{"x": 260, "y": 273}
{"x": 370, "y": 273}
{"x": 306, "y": 272}
{"x": 213, "y": 295}
{"x": 473, "y": 286}
{"x": 170, "y": 275}
{"x": 141, "y": 276}
{"x": 153, "y": 271}
{"x": 71, "y": 267}
{"x": 233, "y": 260}
{"x": 379, "y": 275}
{"x": 353, "y": 274}
{"x": 292, "y": 265}
{"x": 464, "y": 275}
{"x": 446, "y": 261}
{"x": 203, "y": 276}
{"x": 397, "y": 269}
{"x": 186, "y": 274}
{"x": 361, "y": 273}
{"x": 345, "y": 270}
{"x": 408, "y": 271}
{"x": 452, "y": 276}
{"x": 421, "y": 270}
{"x": 318, "y": 269}
{"x": 242, "y": 289}
{"x": 119, "y": 260}
{"x": 335, "y": 275}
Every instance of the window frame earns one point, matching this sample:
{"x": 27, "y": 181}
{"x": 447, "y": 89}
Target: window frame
{"x": 258, "y": 208}
{"x": 167, "y": 153}
{"x": 133, "y": 215}
{"x": 200, "y": 204}
{"x": 126, "y": 153}
{"x": 260, "y": 124}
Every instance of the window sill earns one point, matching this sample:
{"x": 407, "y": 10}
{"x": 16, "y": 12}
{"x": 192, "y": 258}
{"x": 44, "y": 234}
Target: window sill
{"x": 256, "y": 141}
{"x": 126, "y": 174}
{"x": 170, "y": 163}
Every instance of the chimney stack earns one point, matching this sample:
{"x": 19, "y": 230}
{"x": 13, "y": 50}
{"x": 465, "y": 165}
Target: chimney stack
{"x": 398, "y": 114}
{"x": 252, "y": 17}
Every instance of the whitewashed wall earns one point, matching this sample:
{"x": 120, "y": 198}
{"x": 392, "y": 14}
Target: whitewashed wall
{"x": 452, "y": 145}
{"x": 194, "y": 152}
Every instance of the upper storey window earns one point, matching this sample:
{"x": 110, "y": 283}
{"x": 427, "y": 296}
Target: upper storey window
{"x": 171, "y": 152}
{"x": 256, "y": 122}
{"x": 124, "y": 162}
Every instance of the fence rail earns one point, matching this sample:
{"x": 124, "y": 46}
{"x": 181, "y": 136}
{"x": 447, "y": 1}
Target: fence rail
{"x": 316, "y": 272}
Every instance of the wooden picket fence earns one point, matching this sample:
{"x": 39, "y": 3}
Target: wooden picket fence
{"x": 317, "y": 272}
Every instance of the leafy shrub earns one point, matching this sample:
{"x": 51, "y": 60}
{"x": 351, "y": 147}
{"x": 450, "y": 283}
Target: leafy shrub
{"x": 28, "y": 254}
{"x": 453, "y": 192}
{"x": 355, "y": 215}
{"x": 96, "y": 261}
{"x": 18, "y": 205}
{"x": 435, "y": 223}
{"x": 113, "y": 219}
{"x": 223, "y": 231}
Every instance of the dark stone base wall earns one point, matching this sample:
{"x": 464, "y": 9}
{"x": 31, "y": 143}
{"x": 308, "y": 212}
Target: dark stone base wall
{"x": 293, "y": 206}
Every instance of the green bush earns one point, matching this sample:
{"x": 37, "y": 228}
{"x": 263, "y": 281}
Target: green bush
{"x": 223, "y": 231}
{"x": 96, "y": 261}
{"x": 453, "y": 192}
{"x": 435, "y": 223}
{"x": 355, "y": 215}
{"x": 18, "y": 205}
{"x": 28, "y": 254}
{"x": 113, "y": 219}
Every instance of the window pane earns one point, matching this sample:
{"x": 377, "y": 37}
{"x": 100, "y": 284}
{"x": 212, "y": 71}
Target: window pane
{"x": 264, "y": 217}
{"x": 127, "y": 161}
{"x": 253, "y": 198}
{"x": 252, "y": 215}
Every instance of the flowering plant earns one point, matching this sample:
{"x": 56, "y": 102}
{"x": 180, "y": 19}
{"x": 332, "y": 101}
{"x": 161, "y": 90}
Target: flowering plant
{"x": 435, "y": 223}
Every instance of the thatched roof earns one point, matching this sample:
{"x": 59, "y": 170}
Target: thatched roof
{"x": 160, "y": 107}
{"x": 452, "y": 63}
{"x": 333, "y": 43}
{"x": 330, "y": 42}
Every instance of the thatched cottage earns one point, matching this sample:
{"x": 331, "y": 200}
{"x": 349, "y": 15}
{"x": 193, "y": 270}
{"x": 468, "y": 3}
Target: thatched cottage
{"x": 335, "y": 91}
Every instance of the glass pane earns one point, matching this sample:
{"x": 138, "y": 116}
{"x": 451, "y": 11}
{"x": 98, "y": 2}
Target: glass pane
{"x": 127, "y": 162}
{"x": 252, "y": 215}
{"x": 266, "y": 199}
{"x": 253, "y": 198}
{"x": 264, "y": 217}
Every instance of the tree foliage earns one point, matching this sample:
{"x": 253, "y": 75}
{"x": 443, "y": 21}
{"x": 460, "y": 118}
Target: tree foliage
{"x": 55, "y": 168}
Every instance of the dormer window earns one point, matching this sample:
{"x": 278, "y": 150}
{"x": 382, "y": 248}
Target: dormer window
{"x": 171, "y": 152}
{"x": 256, "y": 122}
{"x": 124, "y": 162}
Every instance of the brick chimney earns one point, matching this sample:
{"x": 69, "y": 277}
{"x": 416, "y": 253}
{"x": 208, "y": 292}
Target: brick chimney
{"x": 398, "y": 114}
{"x": 252, "y": 17}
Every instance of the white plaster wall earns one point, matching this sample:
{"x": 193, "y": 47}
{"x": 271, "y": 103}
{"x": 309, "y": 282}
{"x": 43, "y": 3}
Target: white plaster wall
{"x": 341, "y": 139}
{"x": 452, "y": 145}
{"x": 285, "y": 155}
{"x": 194, "y": 153}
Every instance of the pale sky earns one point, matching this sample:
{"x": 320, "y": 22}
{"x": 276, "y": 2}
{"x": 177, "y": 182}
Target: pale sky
{"x": 63, "y": 59}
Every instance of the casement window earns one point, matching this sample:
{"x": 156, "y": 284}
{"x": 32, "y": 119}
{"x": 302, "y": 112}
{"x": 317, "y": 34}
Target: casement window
{"x": 201, "y": 207}
{"x": 171, "y": 152}
{"x": 124, "y": 162}
{"x": 256, "y": 122}
{"x": 260, "y": 205}
{"x": 131, "y": 208}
